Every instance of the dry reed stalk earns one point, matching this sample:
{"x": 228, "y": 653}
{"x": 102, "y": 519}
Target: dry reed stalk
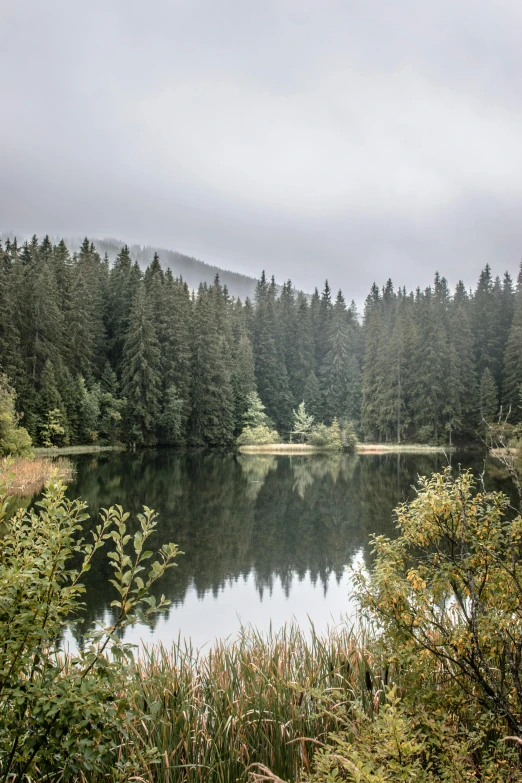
{"x": 25, "y": 476}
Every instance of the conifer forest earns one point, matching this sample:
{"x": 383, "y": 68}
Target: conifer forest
{"x": 105, "y": 353}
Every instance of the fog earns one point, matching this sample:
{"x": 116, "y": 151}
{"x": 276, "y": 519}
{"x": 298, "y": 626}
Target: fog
{"x": 340, "y": 139}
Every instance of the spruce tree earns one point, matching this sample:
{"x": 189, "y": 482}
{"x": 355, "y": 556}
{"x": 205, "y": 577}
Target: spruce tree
{"x": 488, "y": 399}
{"x": 462, "y": 418}
{"x": 271, "y": 372}
{"x": 122, "y": 285}
{"x": 313, "y": 397}
{"x": 175, "y": 339}
{"x": 243, "y": 380}
{"x": 340, "y": 373}
{"x": 212, "y": 401}
{"x": 513, "y": 360}
{"x": 141, "y": 373}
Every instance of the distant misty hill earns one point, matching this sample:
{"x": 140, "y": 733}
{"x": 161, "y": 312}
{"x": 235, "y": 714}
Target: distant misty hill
{"x": 190, "y": 269}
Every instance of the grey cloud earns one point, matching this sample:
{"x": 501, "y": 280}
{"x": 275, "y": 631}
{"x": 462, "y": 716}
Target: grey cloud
{"x": 344, "y": 139}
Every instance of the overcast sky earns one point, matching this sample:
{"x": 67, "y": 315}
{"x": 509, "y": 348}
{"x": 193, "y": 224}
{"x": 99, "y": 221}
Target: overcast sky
{"x": 353, "y": 139}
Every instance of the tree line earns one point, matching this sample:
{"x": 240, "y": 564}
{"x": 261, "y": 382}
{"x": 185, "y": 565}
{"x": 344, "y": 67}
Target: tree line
{"x": 101, "y": 352}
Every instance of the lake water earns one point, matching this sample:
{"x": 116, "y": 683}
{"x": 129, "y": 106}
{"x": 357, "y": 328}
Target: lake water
{"x": 265, "y": 538}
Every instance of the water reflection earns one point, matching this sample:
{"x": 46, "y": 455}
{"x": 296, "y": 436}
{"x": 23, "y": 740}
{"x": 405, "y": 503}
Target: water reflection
{"x": 265, "y": 537}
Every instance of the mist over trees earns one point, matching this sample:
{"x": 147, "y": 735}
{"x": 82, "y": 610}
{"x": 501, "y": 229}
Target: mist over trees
{"x": 104, "y": 352}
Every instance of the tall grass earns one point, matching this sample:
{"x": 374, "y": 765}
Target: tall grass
{"x": 247, "y": 704}
{"x": 282, "y": 448}
{"x": 25, "y": 476}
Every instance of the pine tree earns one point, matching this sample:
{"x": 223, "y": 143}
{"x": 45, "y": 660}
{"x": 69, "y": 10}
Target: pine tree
{"x": 313, "y": 397}
{"x": 243, "y": 380}
{"x": 302, "y": 425}
{"x": 79, "y": 325}
{"x": 10, "y": 359}
{"x": 488, "y": 351}
{"x": 432, "y": 364}
{"x": 45, "y": 334}
{"x": 370, "y": 378}
{"x": 271, "y": 372}
{"x": 340, "y": 371}
{"x": 255, "y": 414}
{"x": 141, "y": 373}
{"x": 303, "y": 360}
{"x": 172, "y": 417}
{"x": 212, "y": 401}
{"x": 488, "y": 399}
{"x": 513, "y": 360}
{"x": 462, "y": 387}
{"x": 122, "y": 286}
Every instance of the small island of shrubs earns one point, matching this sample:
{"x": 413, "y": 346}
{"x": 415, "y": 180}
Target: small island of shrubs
{"x": 259, "y": 430}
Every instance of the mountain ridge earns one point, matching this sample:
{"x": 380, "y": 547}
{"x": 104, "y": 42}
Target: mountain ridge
{"x": 191, "y": 269}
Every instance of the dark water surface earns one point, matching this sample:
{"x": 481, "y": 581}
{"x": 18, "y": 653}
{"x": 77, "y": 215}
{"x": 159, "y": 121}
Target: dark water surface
{"x": 266, "y": 538}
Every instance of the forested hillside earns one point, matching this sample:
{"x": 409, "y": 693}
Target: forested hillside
{"x": 101, "y": 352}
{"x": 191, "y": 269}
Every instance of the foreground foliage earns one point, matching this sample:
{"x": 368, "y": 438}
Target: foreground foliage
{"x": 448, "y": 593}
{"x": 14, "y": 439}
{"x": 59, "y": 714}
{"x": 446, "y": 598}
{"x": 428, "y": 691}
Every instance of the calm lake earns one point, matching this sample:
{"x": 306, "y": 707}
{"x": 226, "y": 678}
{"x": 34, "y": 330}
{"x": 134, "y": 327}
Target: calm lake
{"x": 265, "y": 538}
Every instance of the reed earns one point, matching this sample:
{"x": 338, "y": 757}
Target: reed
{"x": 281, "y": 448}
{"x": 254, "y": 702}
{"x": 27, "y": 476}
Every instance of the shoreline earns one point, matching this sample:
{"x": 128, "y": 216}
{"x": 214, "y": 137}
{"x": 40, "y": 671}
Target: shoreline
{"x": 64, "y": 451}
{"x": 360, "y": 448}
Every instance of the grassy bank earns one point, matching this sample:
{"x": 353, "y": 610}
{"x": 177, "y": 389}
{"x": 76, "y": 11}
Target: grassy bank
{"x": 282, "y": 448}
{"x": 361, "y": 448}
{"x": 71, "y": 450}
{"x": 404, "y": 448}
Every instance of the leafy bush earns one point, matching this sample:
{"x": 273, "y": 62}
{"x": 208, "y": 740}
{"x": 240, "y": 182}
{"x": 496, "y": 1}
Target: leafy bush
{"x": 401, "y": 744}
{"x": 320, "y": 436}
{"x": 326, "y": 437}
{"x": 425, "y": 434}
{"x": 14, "y": 440}
{"x": 348, "y": 436}
{"x": 59, "y": 716}
{"x": 448, "y": 592}
{"x": 445, "y": 600}
{"x": 258, "y": 436}
{"x": 52, "y": 431}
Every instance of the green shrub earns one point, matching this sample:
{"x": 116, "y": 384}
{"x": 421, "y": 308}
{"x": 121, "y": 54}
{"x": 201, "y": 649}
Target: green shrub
{"x": 52, "y": 430}
{"x": 325, "y": 437}
{"x": 401, "y": 744}
{"x": 445, "y": 601}
{"x": 447, "y": 593}
{"x": 348, "y": 436}
{"x": 320, "y": 436}
{"x": 60, "y": 716}
{"x": 14, "y": 440}
{"x": 258, "y": 436}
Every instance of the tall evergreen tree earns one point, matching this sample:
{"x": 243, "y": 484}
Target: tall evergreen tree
{"x": 513, "y": 360}
{"x": 271, "y": 372}
{"x": 340, "y": 371}
{"x": 212, "y": 401}
{"x": 141, "y": 385}
{"x": 243, "y": 380}
{"x": 488, "y": 399}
